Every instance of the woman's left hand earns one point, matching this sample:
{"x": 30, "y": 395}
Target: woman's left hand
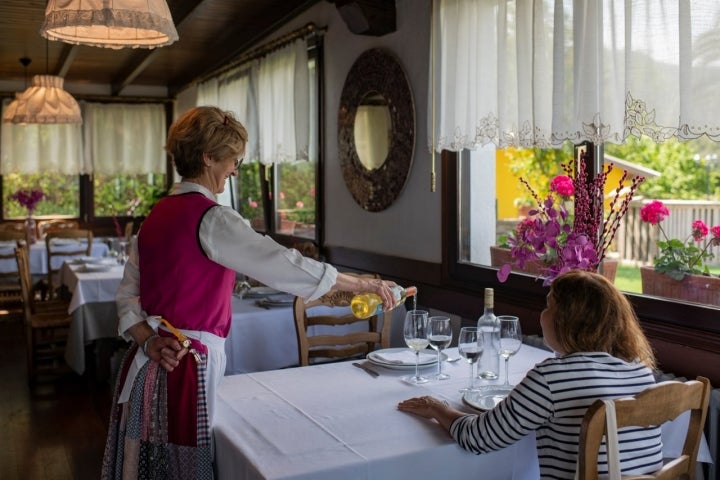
{"x": 427, "y": 407}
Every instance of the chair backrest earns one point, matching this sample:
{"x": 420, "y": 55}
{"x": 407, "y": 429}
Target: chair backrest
{"x": 44, "y": 226}
{"x": 23, "y": 267}
{"x": 651, "y": 407}
{"x": 335, "y": 346}
{"x": 13, "y": 231}
{"x": 56, "y": 246}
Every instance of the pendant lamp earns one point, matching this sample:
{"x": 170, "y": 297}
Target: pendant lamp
{"x": 46, "y": 102}
{"x": 10, "y": 110}
{"x": 110, "y": 23}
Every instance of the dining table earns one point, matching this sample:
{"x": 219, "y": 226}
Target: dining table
{"x": 37, "y": 255}
{"x": 261, "y": 337}
{"x": 331, "y": 421}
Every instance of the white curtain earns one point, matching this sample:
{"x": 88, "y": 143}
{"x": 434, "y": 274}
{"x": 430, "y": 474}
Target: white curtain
{"x": 124, "y": 139}
{"x": 537, "y": 73}
{"x": 31, "y": 149}
{"x": 271, "y": 98}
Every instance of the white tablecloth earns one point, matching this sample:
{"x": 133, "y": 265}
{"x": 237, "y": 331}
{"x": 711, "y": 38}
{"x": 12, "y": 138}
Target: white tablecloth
{"x": 264, "y": 339}
{"x": 335, "y": 421}
{"x": 38, "y": 256}
{"x": 92, "y": 307}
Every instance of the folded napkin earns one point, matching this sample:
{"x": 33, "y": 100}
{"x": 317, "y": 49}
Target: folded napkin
{"x": 406, "y": 357}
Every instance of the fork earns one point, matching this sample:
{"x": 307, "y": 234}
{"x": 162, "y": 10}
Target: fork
{"x": 367, "y": 369}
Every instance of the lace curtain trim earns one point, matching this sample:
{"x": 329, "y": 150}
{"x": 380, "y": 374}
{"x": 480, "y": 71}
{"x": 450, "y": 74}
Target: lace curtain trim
{"x": 639, "y": 120}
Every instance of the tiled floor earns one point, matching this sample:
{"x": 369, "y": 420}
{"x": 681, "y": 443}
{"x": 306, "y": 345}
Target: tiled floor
{"x": 58, "y": 430}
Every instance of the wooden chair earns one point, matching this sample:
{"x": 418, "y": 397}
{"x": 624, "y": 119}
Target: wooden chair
{"x": 45, "y": 332}
{"x": 44, "y": 226}
{"x": 653, "y": 406}
{"x": 29, "y": 294}
{"x": 336, "y": 346}
{"x": 10, "y": 294}
{"x": 55, "y": 250}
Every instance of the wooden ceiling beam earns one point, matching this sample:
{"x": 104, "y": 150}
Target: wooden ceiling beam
{"x": 180, "y": 11}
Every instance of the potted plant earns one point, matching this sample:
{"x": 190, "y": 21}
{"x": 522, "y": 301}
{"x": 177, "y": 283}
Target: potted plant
{"x": 680, "y": 269}
{"x": 561, "y": 235}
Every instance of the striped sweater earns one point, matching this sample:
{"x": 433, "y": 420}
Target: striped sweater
{"x": 552, "y": 400}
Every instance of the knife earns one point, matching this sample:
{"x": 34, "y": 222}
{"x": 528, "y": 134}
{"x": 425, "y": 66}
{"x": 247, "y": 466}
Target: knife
{"x": 367, "y": 369}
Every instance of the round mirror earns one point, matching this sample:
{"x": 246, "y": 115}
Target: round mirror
{"x": 376, "y": 129}
{"x": 373, "y": 131}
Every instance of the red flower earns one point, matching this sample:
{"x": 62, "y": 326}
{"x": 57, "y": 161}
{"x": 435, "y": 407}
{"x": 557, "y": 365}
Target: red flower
{"x": 654, "y": 212}
{"x": 699, "y": 230}
{"x": 562, "y": 185}
{"x": 28, "y": 198}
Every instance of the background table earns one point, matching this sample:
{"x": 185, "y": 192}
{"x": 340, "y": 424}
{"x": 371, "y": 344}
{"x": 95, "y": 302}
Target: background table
{"x": 263, "y": 339}
{"x": 38, "y": 256}
{"x": 333, "y": 421}
{"x": 93, "y": 310}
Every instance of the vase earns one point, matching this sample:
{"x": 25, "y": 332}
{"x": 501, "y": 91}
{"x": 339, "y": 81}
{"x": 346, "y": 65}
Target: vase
{"x": 499, "y": 256}
{"x": 692, "y": 288}
{"x": 30, "y": 229}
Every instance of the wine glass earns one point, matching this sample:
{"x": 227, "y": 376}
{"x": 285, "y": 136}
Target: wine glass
{"x": 510, "y": 342}
{"x": 440, "y": 336}
{"x": 470, "y": 347}
{"x": 415, "y": 331}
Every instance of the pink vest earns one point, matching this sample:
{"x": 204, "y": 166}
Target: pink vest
{"x": 177, "y": 280}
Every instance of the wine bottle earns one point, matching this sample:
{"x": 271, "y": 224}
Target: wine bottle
{"x": 489, "y": 326}
{"x": 366, "y": 305}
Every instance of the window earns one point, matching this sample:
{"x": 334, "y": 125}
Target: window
{"x": 126, "y": 195}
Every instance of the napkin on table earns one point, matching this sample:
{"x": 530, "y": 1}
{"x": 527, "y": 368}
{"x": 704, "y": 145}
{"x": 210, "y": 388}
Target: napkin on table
{"x": 406, "y": 357}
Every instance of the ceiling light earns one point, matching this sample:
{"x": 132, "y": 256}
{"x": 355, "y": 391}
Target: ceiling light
{"x": 45, "y": 102}
{"x": 110, "y": 23}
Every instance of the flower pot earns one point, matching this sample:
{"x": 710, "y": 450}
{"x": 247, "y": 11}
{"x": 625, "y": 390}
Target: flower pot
{"x": 499, "y": 256}
{"x": 692, "y": 288}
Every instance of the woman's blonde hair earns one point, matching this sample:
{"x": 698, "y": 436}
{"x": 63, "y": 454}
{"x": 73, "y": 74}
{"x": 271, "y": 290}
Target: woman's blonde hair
{"x": 204, "y": 130}
{"x": 592, "y": 315}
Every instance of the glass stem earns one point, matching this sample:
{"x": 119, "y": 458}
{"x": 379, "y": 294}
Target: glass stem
{"x": 471, "y": 383}
{"x": 439, "y": 363}
{"x": 507, "y": 374}
{"x": 417, "y": 361}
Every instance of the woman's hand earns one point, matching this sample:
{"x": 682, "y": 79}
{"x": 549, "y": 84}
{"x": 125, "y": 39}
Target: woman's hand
{"x": 432, "y": 408}
{"x": 165, "y": 350}
{"x": 382, "y": 288}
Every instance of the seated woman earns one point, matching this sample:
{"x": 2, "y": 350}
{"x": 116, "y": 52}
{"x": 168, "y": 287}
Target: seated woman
{"x": 601, "y": 353}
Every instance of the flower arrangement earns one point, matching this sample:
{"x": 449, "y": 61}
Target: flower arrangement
{"x": 28, "y": 198}
{"x": 562, "y": 240}
{"x": 679, "y": 258}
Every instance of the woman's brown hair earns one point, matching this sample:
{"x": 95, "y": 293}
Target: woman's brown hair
{"x": 200, "y": 131}
{"x": 592, "y": 315}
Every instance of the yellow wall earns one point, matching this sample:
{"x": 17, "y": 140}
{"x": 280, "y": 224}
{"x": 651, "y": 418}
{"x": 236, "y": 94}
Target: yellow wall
{"x": 508, "y": 186}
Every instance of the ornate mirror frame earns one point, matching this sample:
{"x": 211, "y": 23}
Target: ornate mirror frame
{"x": 377, "y": 71}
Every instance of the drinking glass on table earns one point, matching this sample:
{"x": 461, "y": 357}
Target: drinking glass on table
{"x": 510, "y": 342}
{"x": 470, "y": 347}
{"x": 415, "y": 331}
{"x": 440, "y": 336}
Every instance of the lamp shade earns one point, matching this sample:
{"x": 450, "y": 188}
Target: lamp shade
{"x": 11, "y": 109}
{"x": 45, "y": 101}
{"x": 110, "y": 23}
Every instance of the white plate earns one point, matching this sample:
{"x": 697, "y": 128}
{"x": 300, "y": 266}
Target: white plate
{"x": 258, "y": 292}
{"x": 97, "y": 267}
{"x": 375, "y": 358}
{"x": 276, "y": 301}
{"x": 486, "y": 398}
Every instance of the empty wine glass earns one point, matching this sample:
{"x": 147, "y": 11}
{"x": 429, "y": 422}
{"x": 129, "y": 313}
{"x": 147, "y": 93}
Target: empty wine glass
{"x": 470, "y": 347}
{"x": 440, "y": 336}
{"x": 510, "y": 342}
{"x": 415, "y": 331}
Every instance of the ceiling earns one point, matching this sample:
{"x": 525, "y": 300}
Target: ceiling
{"x": 212, "y": 32}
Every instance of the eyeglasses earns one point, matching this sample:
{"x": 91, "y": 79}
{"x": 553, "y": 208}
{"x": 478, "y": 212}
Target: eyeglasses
{"x": 238, "y": 162}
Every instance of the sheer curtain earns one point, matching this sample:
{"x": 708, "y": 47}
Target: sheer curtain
{"x": 124, "y": 139}
{"x": 270, "y": 97}
{"x": 537, "y": 73}
{"x": 31, "y": 149}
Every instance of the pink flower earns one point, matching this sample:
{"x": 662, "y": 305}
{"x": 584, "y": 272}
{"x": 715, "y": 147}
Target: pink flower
{"x": 299, "y": 204}
{"x": 562, "y": 185}
{"x": 716, "y": 235}
{"x": 282, "y": 195}
{"x": 312, "y": 192}
{"x": 699, "y": 230}
{"x": 654, "y": 212}
{"x": 253, "y": 204}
